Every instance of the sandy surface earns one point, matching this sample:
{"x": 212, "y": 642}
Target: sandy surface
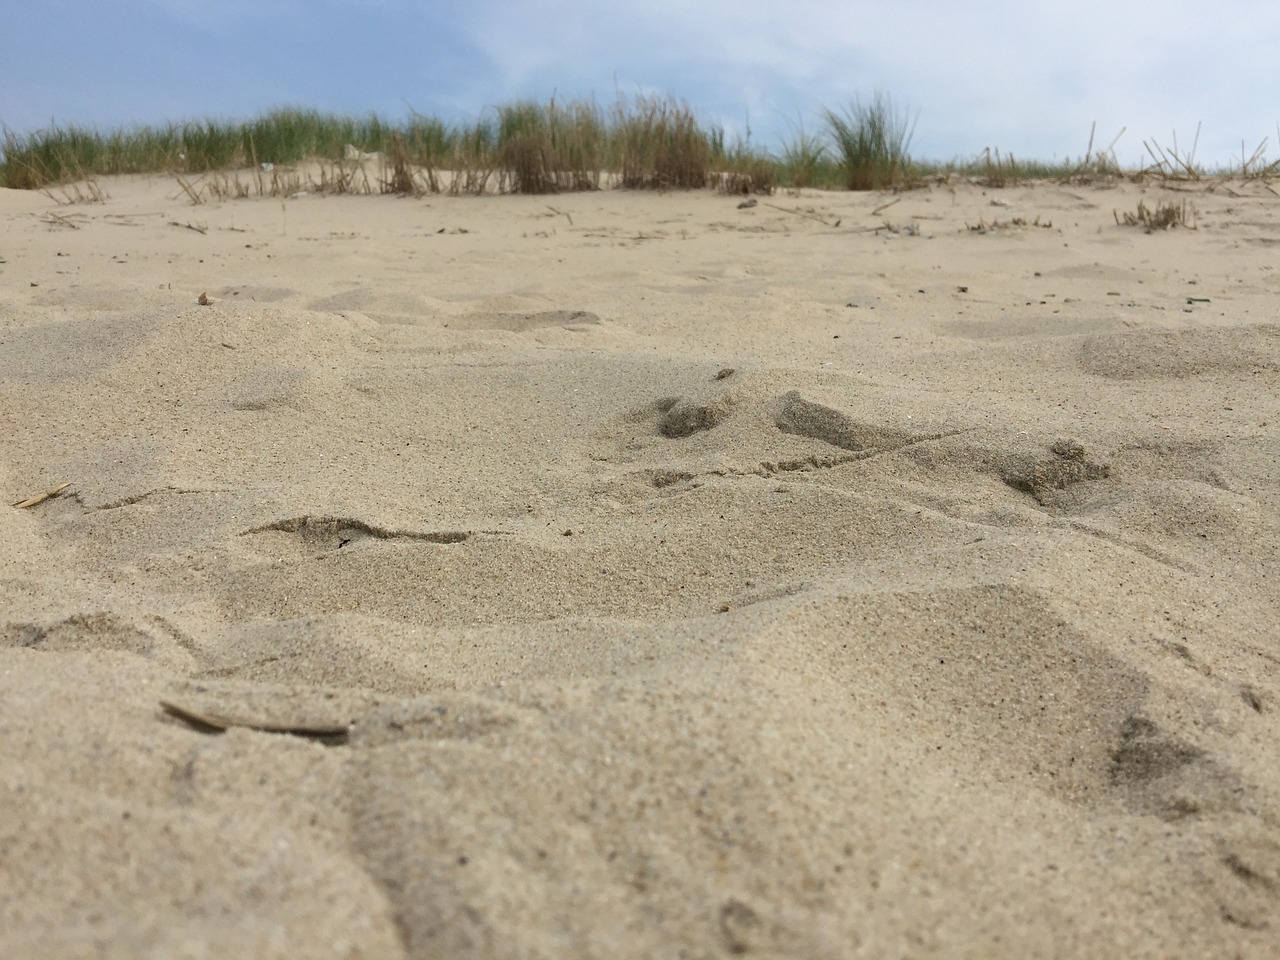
{"x": 627, "y": 575}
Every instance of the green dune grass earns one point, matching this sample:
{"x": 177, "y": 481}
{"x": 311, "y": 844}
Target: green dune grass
{"x": 531, "y": 147}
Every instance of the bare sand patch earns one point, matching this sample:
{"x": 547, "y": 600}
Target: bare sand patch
{"x": 679, "y": 580}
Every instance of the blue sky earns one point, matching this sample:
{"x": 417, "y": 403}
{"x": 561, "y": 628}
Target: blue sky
{"x": 1027, "y": 76}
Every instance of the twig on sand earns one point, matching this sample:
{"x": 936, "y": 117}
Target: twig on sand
{"x": 801, "y": 213}
{"x": 63, "y": 220}
{"x": 190, "y": 190}
{"x": 40, "y": 498}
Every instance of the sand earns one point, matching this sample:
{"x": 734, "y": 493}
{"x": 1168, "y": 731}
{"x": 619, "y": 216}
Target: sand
{"x": 637, "y": 575}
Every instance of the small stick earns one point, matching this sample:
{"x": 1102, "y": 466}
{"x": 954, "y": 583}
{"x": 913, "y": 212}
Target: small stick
{"x": 214, "y": 720}
{"x": 190, "y": 191}
{"x": 798, "y": 213}
{"x": 61, "y": 220}
{"x": 878, "y": 210}
{"x": 1110, "y": 151}
{"x": 40, "y": 498}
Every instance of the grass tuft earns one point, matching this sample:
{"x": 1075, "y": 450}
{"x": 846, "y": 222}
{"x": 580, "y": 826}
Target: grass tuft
{"x": 1165, "y": 216}
{"x": 999, "y": 171}
{"x": 660, "y": 145}
{"x": 806, "y": 160}
{"x": 871, "y": 142}
{"x": 550, "y": 149}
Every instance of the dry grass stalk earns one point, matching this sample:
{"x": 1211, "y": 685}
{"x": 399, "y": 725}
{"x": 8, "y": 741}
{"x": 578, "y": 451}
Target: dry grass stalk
{"x": 1096, "y": 166}
{"x": 190, "y": 189}
{"x": 1165, "y": 216}
{"x": 223, "y": 187}
{"x": 402, "y": 181}
{"x": 338, "y": 178}
{"x": 809, "y": 214}
{"x": 1256, "y": 167}
{"x": 1170, "y": 164}
{"x": 40, "y": 498}
{"x": 84, "y": 191}
{"x": 63, "y": 220}
{"x": 998, "y": 172}
{"x": 269, "y": 180}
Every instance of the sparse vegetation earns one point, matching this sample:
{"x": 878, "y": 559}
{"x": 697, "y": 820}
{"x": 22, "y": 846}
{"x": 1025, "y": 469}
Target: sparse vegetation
{"x": 999, "y": 171}
{"x": 1171, "y": 164}
{"x": 1165, "y": 216}
{"x": 806, "y": 161}
{"x": 1255, "y": 166}
{"x": 532, "y": 147}
{"x": 1017, "y": 223}
{"x": 659, "y": 143}
{"x": 740, "y": 169}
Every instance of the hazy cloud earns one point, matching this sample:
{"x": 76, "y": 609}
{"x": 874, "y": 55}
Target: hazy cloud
{"x": 1024, "y": 75}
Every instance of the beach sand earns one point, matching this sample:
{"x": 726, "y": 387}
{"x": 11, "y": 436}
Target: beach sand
{"x": 638, "y": 575}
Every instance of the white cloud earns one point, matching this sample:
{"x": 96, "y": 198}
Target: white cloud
{"x": 1012, "y": 72}
{"x": 1024, "y": 75}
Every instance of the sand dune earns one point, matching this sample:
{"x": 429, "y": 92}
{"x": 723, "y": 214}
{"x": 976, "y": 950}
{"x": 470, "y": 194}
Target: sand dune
{"x": 643, "y": 577}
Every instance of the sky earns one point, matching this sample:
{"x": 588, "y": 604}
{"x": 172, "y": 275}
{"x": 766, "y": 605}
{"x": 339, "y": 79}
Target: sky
{"x": 1028, "y": 77}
